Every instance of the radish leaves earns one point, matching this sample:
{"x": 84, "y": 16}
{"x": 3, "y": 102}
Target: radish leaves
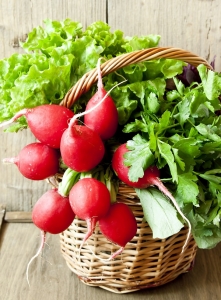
{"x": 159, "y": 213}
{"x": 184, "y": 137}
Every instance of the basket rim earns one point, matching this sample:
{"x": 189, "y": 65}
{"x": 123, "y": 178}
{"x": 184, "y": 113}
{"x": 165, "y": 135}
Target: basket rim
{"x": 88, "y": 79}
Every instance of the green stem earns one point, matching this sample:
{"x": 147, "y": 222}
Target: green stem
{"x": 166, "y": 128}
{"x": 111, "y": 183}
{"x": 70, "y": 177}
{"x": 105, "y": 175}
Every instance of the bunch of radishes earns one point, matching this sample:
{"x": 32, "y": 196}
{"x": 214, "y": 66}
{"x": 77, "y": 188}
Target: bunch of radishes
{"x": 81, "y": 148}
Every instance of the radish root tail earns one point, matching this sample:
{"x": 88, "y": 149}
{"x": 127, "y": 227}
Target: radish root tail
{"x": 43, "y": 235}
{"x": 91, "y": 223}
{"x": 19, "y": 114}
{"x": 115, "y": 254}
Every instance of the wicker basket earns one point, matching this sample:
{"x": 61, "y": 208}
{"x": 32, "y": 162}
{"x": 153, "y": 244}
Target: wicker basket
{"x": 145, "y": 262}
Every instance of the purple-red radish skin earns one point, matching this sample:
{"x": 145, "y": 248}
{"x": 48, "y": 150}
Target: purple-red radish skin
{"x": 122, "y": 171}
{"x": 47, "y": 122}
{"x": 119, "y": 225}
{"x": 103, "y": 119}
{"x": 150, "y": 177}
{"x": 81, "y": 148}
{"x": 90, "y": 200}
{"x": 36, "y": 161}
{"x": 52, "y": 212}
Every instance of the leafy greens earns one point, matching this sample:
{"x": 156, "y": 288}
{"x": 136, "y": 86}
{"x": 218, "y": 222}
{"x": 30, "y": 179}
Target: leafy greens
{"x": 177, "y": 127}
{"x": 183, "y": 138}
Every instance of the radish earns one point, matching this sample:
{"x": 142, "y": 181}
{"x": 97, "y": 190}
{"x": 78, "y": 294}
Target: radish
{"x": 150, "y": 174}
{"x": 104, "y": 119}
{"x": 150, "y": 177}
{"x": 90, "y": 200}
{"x": 119, "y": 226}
{"x": 81, "y": 148}
{"x": 52, "y": 212}
{"x": 36, "y": 161}
{"x": 47, "y": 122}
{"x": 103, "y": 173}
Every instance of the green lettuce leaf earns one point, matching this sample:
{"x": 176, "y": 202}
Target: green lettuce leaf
{"x": 57, "y": 55}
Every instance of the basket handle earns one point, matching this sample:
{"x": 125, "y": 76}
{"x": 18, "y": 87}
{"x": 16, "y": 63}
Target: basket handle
{"x": 88, "y": 79}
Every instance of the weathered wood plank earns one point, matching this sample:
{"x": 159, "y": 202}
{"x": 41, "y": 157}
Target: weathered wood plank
{"x": 2, "y": 214}
{"x": 191, "y": 25}
{"x": 19, "y": 18}
{"x": 51, "y": 279}
{"x": 18, "y": 217}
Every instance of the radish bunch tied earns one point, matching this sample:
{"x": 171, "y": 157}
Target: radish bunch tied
{"x": 178, "y": 122}
{"x": 81, "y": 148}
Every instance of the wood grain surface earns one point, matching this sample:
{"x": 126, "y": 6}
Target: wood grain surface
{"x": 192, "y": 25}
{"x": 51, "y": 279}
{"x": 18, "y": 217}
{"x": 2, "y": 214}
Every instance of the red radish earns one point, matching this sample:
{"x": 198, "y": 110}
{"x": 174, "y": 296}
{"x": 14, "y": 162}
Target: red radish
{"x": 81, "y": 148}
{"x": 52, "y": 212}
{"x": 150, "y": 177}
{"x": 104, "y": 119}
{"x": 36, "y": 161}
{"x": 47, "y": 122}
{"x": 90, "y": 200}
{"x": 119, "y": 226}
{"x": 150, "y": 174}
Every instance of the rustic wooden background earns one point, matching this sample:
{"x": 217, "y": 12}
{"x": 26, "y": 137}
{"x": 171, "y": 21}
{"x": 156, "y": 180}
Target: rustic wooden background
{"x": 192, "y": 25}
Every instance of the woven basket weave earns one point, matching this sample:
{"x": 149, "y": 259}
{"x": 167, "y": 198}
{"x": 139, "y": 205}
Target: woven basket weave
{"x": 145, "y": 262}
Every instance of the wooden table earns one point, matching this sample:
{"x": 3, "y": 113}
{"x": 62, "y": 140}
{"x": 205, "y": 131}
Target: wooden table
{"x": 191, "y": 25}
{"x": 51, "y": 279}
